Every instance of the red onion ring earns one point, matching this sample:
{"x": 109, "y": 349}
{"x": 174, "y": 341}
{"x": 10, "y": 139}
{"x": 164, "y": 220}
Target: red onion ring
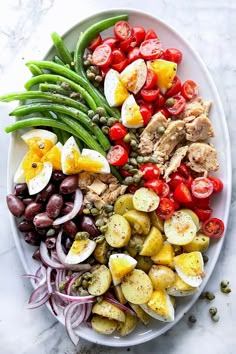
{"x": 68, "y": 324}
{"x": 112, "y": 300}
{"x": 76, "y": 208}
{"x": 48, "y": 279}
{"x": 46, "y": 258}
{"x": 70, "y": 282}
{"x": 39, "y": 303}
{"x": 88, "y": 311}
{"x": 39, "y": 292}
{"x": 32, "y": 276}
{"x": 79, "y": 316}
{"x": 77, "y": 299}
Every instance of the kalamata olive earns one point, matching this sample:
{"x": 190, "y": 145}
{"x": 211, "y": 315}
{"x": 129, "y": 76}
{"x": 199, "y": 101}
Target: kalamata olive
{"x": 88, "y": 225}
{"x": 25, "y": 225}
{"x": 42, "y": 220}
{"x": 32, "y": 209}
{"x": 21, "y": 190}
{"x": 36, "y": 255}
{"x": 32, "y": 238}
{"x": 54, "y": 206}
{"x": 69, "y": 184}
{"x": 50, "y": 242}
{"x": 27, "y": 200}
{"x": 70, "y": 228}
{"x": 68, "y": 206}
{"x": 67, "y": 242}
{"x": 58, "y": 176}
{"x": 46, "y": 193}
{"x": 15, "y": 205}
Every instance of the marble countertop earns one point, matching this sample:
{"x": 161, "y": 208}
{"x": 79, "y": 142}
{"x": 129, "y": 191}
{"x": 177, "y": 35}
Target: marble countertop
{"x": 25, "y": 27}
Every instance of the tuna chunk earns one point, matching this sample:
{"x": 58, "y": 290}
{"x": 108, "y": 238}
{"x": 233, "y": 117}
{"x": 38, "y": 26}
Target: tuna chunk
{"x": 202, "y": 157}
{"x": 199, "y": 129}
{"x": 194, "y": 108}
{"x": 175, "y": 161}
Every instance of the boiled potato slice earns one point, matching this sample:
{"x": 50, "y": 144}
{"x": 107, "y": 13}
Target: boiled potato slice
{"x": 199, "y": 243}
{"x": 135, "y": 245}
{"x": 162, "y": 277}
{"x": 180, "y": 288}
{"x": 156, "y": 221}
{"x": 160, "y": 306}
{"x": 101, "y": 281}
{"x": 193, "y": 216}
{"x": 128, "y": 326}
{"x": 118, "y": 231}
{"x": 144, "y": 263}
{"x": 123, "y": 204}
{"x": 101, "y": 252}
{"x": 120, "y": 264}
{"x": 153, "y": 243}
{"x": 165, "y": 256}
{"x": 106, "y": 309}
{"x": 145, "y": 199}
{"x": 180, "y": 228}
{"x": 137, "y": 287}
{"x": 142, "y": 315}
{"x": 119, "y": 294}
{"x": 139, "y": 221}
{"x": 103, "y": 325}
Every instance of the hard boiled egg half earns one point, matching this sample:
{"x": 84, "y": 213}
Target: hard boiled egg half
{"x": 130, "y": 113}
{"x": 190, "y": 268}
{"x": 80, "y": 250}
{"x": 160, "y": 306}
{"x": 120, "y": 264}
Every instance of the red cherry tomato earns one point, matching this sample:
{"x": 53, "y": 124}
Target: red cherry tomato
{"x": 146, "y": 114}
{"x": 189, "y": 90}
{"x": 132, "y": 188}
{"x": 160, "y": 188}
{"x": 183, "y": 170}
{"x": 151, "y": 49}
{"x": 202, "y": 187}
{"x": 203, "y": 214}
{"x": 203, "y": 203}
{"x": 176, "y": 179}
{"x": 117, "y": 156}
{"x": 126, "y": 146}
{"x": 160, "y": 101}
{"x": 95, "y": 42}
{"x": 117, "y": 131}
{"x": 151, "y": 80}
{"x": 189, "y": 182}
{"x": 120, "y": 66}
{"x": 165, "y": 208}
{"x": 117, "y": 56}
{"x": 182, "y": 194}
{"x": 176, "y": 204}
{"x": 149, "y": 95}
{"x": 111, "y": 41}
{"x": 151, "y": 34}
{"x": 134, "y": 54}
{"x": 213, "y": 228}
{"x": 173, "y": 54}
{"x": 178, "y": 106}
{"x": 175, "y": 88}
{"x": 150, "y": 171}
{"x": 217, "y": 184}
{"x": 122, "y": 30}
{"x": 127, "y": 44}
{"x": 164, "y": 112}
{"x": 102, "y": 55}
{"x": 138, "y": 33}
{"x": 124, "y": 173}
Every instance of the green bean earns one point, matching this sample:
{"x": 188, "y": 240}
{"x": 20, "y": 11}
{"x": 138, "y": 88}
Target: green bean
{"x": 83, "y": 118}
{"x": 57, "y": 78}
{"x": 58, "y": 133}
{"x": 65, "y": 136}
{"x": 44, "y": 95}
{"x": 35, "y": 70}
{"x": 57, "y": 60}
{"x": 54, "y": 88}
{"x": 61, "y": 49}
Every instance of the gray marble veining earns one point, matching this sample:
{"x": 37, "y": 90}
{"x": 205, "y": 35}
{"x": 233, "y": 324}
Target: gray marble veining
{"x": 25, "y": 28}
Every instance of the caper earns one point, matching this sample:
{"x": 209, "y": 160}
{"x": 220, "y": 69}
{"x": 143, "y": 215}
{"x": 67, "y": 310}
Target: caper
{"x": 87, "y": 62}
{"x": 170, "y": 102}
{"x": 215, "y": 318}
{"x": 192, "y": 319}
{"x": 136, "y": 178}
{"x": 161, "y": 130}
{"x": 105, "y": 129}
{"x": 50, "y": 232}
{"x": 62, "y": 285}
{"x": 98, "y": 78}
{"x": 108, "y": 208}
{"x": 153, "y": 159}
{"x": 111, "y": 121}
{"x": 103, "y": 120}
{"x": 209, "y": 296}
{"x": 133, "y": 143}
{"x": 94, "y": 211}
{"x": 133, "y": 171}
{"x": 127, "y": 138}
{"x": 87, "y": 275}
{"x": 145, "y": 159}
{"x": 86, "y": 211}
{"x": 101, "y": 111}
{"x": 213, "y": 311}
{"x": 90, "y": 75}
{"x": 96, "y": 118}
{"x": 133, "y": 154}
{"x": 224, "y": 283}
{"x": 83, "y": 292}
{"x": 94, "y": 69}
{"x": 128, "y": 180}
{"x": 103, "y": 228}
{"x": 133, "y": 161}
{"x": 140, "y": 159}
{"x": 91, "y": 113}
{"x": 126, "y": 167}
{"x": 82, "y": 235}
{"x": 99, "y": 238}
{"x": 99, "y": 222}
{"x": 205, "y": 258}
{"x": 89, "y": 206}
{"x": 99, "y": 299}
{"x": 226, "y": 290}
{"x": 84, "y": 283}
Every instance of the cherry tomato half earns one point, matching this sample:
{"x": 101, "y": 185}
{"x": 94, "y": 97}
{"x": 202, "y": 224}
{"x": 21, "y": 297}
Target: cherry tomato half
{"x": 150, "y": 171}
{"x": 95, "y": 42}
{"x": 120, "y": 66}
{"x": 189, "y": 90}
{"x": 160, "y": 101}
{"x": 165, "y": 208}
{"x": 175, "y": 88}
{"x": 122, "y": 30}
{"x": 182, "y": 194}
{"x": 203, "y": 214}
{"x": 173, "y": 54}
{"x": 151, "y": 49}
{"x": 126, "y": 146}
{"x": 160, "y": 188}
{"x": 146, "y": 114}
{"x": 178, "y": 106}
{"x": 202, "y": 187}
{"x": 128, "y": 44}
{"x": 164, "y": 112}
{"x": 117, "y": 131}
{"x": 117, "y": 56}
{"x": 217, "y": 184}
{"x": 151, "y": 80}
{"x": 176, "y": 179}
{"x": 117, "y": 156}
{"x": 151, "y": 34}
{"x": 102, "y": 55}
{"x": 150, "y": 95}
{"x": 111, "y": 41}
{"x": 213, "y": 228}
{"x": 134, "y": 54}
{"x": 183, "y": 170}
{"x": 138, "y": 33}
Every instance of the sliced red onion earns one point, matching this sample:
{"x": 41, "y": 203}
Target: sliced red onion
{"x": 112, "y": 300}
{"x": 53, "y": 305}
{"x": 38, "y": 293}
{"x": 39, "y": 303}
{"x": 68, "y": 323}
{"x": 46, "y": 258}
{"x": 80, "y": 315}
{"x": 41, "y": 272}
{"x": 32, "y": 276}
{"x": 78, "y": 299}
{"x": 76, "y": 208}
{"x": 88, "y": 311}
{"x": 48, "y": 280}
{"x": 70, "y": 282}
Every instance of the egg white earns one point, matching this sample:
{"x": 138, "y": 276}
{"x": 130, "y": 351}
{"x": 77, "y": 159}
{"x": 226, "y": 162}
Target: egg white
{"x": 129, "y": 111}
{"x": 66, "y": 152}
{"x": 114, "y": 90}
{"x": 39, "y": 182}
{"x": 96, "y": 156}
{"x": 40, "y": 133}
{"x": 73, "y": 258}
{"x": 192, "y": 280}
{"x": 134, "y": 75}
{"x": 170, "y": 311}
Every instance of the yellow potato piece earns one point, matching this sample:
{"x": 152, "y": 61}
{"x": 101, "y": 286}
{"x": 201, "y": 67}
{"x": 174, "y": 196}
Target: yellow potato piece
{"x": 193, "y": 216}
{"x": 118, "y": 231}
{"x": 101, "y": 281}
{"x": 101, "y": 252}
{"x": 139, "y": 220}
{"x": 137, "y": 287}
{"x": 128, "y": 326}
{"x": 153, "y": 243}
{"x": 103, "y": 325}
{"x": 119, "y": 294}
{"x": 145, "y": 199}
{"x": 162, "y": 277}
{"x": 106, "y": 309}
{"x": 156, "y": 221}
{"x": 199, "y": 243}
{"x": 165, "y": 256}
{"x": 123, "y": 204}
{"x": 142, "y": 315}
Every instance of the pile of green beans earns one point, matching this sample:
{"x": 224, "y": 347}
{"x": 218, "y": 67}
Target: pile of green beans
{"x": 53, "y": 87}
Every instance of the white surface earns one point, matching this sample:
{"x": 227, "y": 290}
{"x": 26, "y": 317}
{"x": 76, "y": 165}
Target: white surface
{"x": 25, "y": 28}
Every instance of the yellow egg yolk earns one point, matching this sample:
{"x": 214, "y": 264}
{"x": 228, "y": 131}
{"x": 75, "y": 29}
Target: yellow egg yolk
{"x": 39, "y": 145}
{"x": 120, "y": 267}
{"x": 53, "y": 156}
{"x": 120, "y": 93}
{"x": 31, "y": 165}
{"x": 160, "y": 306}
{"x": 165, "y": 70}
{"x": 89, "y": 165}
{"x": 71, "y": 165}
{"x": 133, "y": 116}
{"x": 130, "y": 80}
{"x": 79, "y": 246}
{"x": 190, "y": 264}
